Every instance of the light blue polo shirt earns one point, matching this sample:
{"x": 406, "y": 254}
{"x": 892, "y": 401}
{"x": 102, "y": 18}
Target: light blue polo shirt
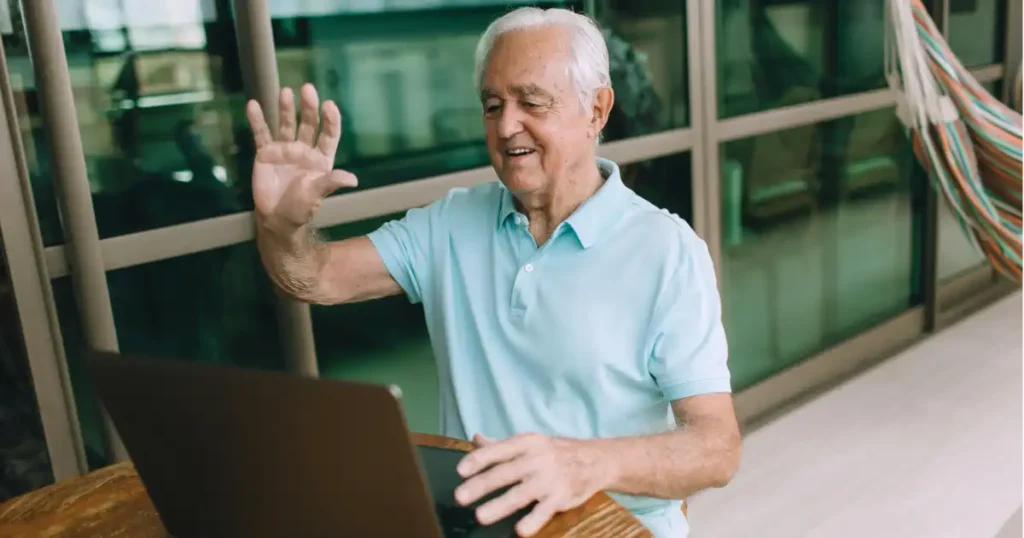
{"x": 590, "y": 335}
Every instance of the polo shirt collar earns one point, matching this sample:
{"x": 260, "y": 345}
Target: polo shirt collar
{"x": 507, "y": 207}
{"x": 594, "y": 215}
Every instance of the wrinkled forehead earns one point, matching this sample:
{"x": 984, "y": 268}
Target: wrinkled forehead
{"x": 528, "y": 62}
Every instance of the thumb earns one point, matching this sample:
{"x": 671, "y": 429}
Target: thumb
{"x": 332, "y": 181}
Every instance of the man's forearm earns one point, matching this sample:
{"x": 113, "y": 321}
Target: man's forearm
{"x": 672, "y": 465}
{"x": 294, "y": 259}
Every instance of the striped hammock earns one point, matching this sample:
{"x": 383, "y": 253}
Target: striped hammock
{"x": 968, "y": 141}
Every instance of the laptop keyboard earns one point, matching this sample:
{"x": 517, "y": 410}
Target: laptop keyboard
{"x": 456, "y": 521}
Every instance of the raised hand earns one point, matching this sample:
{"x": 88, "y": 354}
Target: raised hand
{"x": 293, "y": 171}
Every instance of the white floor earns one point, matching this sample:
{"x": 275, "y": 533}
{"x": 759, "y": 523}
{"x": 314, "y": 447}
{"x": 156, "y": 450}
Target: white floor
{"x": 927, "y": 444}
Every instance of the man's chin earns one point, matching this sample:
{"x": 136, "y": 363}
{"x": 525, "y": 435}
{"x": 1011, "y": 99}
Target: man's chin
{"x": 521, "y": 183}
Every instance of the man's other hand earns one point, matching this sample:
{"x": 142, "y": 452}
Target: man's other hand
{"x": 558, "y": 474}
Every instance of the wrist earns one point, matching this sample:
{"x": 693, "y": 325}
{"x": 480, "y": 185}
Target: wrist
{"x": 274, "y": 225}
{"x": 287, "y": 237}
{"x": 603, "y": 463}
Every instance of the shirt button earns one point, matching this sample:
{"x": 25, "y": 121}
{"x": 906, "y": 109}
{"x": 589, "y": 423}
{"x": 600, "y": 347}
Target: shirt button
{"x": 519, "y": 220}
{"x": 528, "y": 267}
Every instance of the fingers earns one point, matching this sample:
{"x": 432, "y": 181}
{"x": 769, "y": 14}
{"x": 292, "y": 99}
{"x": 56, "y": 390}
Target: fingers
{"x": 500, "y": 476}
{"x": 310, "y": 121}
{"x": 511, "y": 502}
{"x": 490, "y": 454}
{"x": 481, "y": 440}
{"x": 258, "y": 124}
{"x": 286, "y": 130}
{"x": 330, "y": 182}
{"x": 309, "y": 110}
{"x": 330, "y": 132}
{"x": 533, "y": 522}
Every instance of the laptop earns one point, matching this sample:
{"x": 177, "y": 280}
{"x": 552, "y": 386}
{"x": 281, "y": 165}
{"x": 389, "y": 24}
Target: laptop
{"x": 226, "y": 452}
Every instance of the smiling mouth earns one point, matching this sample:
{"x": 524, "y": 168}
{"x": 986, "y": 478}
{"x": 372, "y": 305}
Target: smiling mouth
{"x": 519, "y": 153}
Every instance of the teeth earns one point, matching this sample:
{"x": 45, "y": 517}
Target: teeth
{"x": 517, "y": 152}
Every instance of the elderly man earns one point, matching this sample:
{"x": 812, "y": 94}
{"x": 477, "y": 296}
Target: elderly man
{"x": 576, "y": 327}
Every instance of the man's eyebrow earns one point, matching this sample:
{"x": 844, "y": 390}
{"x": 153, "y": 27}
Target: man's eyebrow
{"x": 527, "y": 90}
{"x": 487, "y": 94}
{"x": 530, "y": 90}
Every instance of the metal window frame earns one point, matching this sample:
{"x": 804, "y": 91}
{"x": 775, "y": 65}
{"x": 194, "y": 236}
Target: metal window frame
{"x": 258, "y": 58}
{"x": 860, "y": 351}
{"x": 1012, "y": 51}
{"x": 699, "y": 117}
{"x": 708, "y": 220}
{"x": 89, "y": 281}
{"x": 217, "y": 232}
{"x": 930, "y": 242}
{"x": 703, "y": 138}
{"x": 21, "y": 238}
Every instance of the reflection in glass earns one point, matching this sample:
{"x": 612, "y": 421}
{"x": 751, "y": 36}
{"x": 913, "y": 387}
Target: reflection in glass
{"x": 403, "y": 77}
{"x": 386, "y": 341}
{"x": 776, "y": 53}
{"x": 820, "y": 234}
{"x": 159, "y": 104}
{"x": 977, "y": 30}
{"x": 647, "y": 52}
{"x": 402, "y": 74}
{"x": 215, "y": 306}
{"x": 665, "y": 182}
{"x": 160, "y": 101}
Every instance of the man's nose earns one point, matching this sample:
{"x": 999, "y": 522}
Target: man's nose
{"x": 509, "y": 123}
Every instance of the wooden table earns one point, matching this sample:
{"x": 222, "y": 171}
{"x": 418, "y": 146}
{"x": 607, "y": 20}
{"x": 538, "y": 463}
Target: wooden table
{"x": 112, "y": 502}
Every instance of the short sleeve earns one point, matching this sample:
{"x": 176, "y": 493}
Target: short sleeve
{"x": 689, "y": 355}
{"x": 405, "y": 246}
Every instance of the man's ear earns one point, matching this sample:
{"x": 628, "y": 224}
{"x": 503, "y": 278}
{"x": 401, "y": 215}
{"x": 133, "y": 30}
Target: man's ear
{"x": 604, "y": 100}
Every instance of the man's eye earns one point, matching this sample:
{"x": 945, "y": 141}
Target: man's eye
{"x": 528, "y": 104}
{"x": 492, "y": 108}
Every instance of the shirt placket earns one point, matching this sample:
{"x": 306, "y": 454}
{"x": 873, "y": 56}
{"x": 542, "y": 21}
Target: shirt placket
{"x": 526, "y": 258}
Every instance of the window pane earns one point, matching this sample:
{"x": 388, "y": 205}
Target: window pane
{"x": 159, "y": 105}
{"x": 977, "y": 31}
{"x": 382, "y": 341}
{"x": 779, "y": 53}
{"x": 665, "y": 182}
{"x": 647, "y": 50}
{"x": 403, "y": 78}
{"x": 386, "y": 341}
{"x": 213, "y": 307}
{"x": 820, "y": 234}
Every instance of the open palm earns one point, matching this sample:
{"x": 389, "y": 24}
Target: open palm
{"x": 293, "y": 171}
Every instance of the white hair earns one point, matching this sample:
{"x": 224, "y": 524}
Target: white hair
{"x": 588, "y": 66}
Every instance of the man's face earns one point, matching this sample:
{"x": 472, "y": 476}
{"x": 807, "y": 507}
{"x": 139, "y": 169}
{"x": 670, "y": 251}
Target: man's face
{"x": 537, "y": 133}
